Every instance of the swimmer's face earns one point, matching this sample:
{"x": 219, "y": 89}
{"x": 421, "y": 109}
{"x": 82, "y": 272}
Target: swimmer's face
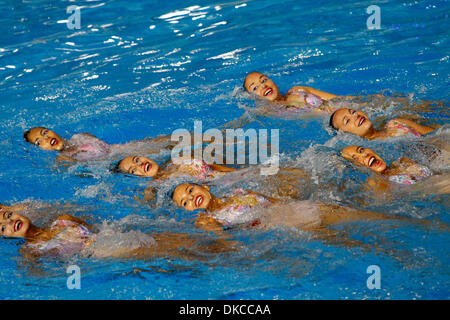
{"x": 352, "y": 121}
{"x": 45, "y": 139}
{"x": 13, "y": 224}
{"x": 191, "y": 196}
{"x": 364, "y": 157}
{"x": 139, "y": 166}
{"x": 261, "y": 85}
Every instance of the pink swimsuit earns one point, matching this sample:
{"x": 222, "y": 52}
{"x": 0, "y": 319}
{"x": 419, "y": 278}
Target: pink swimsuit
{"x": 84, "y": 147}
{"x": 400, "y": 129}
{"x": 412, "y": 174}
{"x": 73, "y": 238}
{"x": 196, "y": 168}
{"x": 312, "y": 101}
{"x": 235, "y": 212}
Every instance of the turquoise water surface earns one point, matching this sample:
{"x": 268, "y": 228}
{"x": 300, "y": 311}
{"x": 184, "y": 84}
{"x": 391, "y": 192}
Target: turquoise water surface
{"x": 138, "y": 69}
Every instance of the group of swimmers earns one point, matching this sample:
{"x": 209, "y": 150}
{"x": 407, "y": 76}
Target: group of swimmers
{"x": 69, "y": 234}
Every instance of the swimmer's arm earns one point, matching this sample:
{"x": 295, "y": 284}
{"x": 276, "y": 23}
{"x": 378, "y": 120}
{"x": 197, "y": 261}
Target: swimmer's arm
{"x": 407, "y": 161}
{"x": 147, "y": 145}
{"x": 298, "y": 171}
{"x": 273, "y": 200}
{"x": 64, "y": 158}
{"x": 379, "y": 186}
{"x": 207, "y": 223}
{"x": 174, "y": 245}
{"x": 418, "y": 127}
{"x": 14, "y": 207}
{"x": 324, "y": 95}
{"x": 71, "y": 218}
{"x": 148, "y": 195}
{"x": 88, "y": 134}
{"x": 220, "y": 168}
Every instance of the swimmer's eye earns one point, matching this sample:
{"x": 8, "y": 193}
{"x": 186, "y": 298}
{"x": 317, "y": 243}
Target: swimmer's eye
{"x": 45, "y": 133}
{"x": 190, "y": 189}
{"x": 346, "y": 121}
{"x": 37, "y": 143}
{"x": 184, "y": 203}
{"x": 3, "y": 229}
{"x": 132, "y": 171}
{"x": 264, "y": 80}
{"x": 361, "y": 150}
{"x": 136, "y": 159}
{"x": 254, "y": 88}
{"x": 352, "y": 111}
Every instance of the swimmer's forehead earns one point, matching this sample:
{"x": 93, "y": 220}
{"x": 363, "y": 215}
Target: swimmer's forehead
{"x": 182, "y": 188}
{"x": 338, "y": 114}
{"x": 37, "y": 130}
{"x": 252, "y": 77}
{"x": 347, "y": 152}
{"x": 124, "y": 164}
{"x": 180, "y": 191}
{"x": 127, "y": 161}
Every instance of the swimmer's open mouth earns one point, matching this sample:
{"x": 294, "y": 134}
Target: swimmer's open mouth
{"x": 374, "y": 161}
{"x": 361, "y": 121}
{"x": 53, "y": 141}
{"x": 198, "y": 200}
{"x": 268, "y": 92}
{"x": 148, "y": 166}
{"x": 17, "y": 225}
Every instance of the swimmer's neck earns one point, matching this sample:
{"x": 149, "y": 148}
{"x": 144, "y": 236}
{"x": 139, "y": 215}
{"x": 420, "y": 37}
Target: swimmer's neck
{"x": 386, "y": 172}
{"x": 374, "y": 134}
{"x": 214, "y": 204}
{"x": 35, "y": 234}
{"x": 65, "y": 146}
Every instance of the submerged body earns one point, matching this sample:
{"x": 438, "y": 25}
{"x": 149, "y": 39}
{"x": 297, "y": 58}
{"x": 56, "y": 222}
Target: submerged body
{"x": 256, "y": 210}
{"x": 68, "y": 235}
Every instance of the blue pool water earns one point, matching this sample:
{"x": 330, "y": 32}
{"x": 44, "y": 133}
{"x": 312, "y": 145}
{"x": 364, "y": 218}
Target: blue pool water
{"x": 137, "y": 69}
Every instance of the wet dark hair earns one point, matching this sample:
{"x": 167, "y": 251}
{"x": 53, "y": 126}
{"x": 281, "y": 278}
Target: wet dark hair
{"x": 243, "y": 84}
{"x": 114, "y": 167}
{"x": 25, "y": 135}
{"x": 171, "y": 192}
{"x": 331, "y": 121}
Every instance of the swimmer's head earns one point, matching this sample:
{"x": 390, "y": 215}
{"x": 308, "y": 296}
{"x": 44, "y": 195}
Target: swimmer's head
{"x": 13, "y": 224}
{"x": 44, "y": 138}
{"x": 259, "y": 84}
{"x": 352, "y": 121}
{"x": 364, "y": 157}
{"x": 139, "y": 166}
{"x": 192, "y": 196}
